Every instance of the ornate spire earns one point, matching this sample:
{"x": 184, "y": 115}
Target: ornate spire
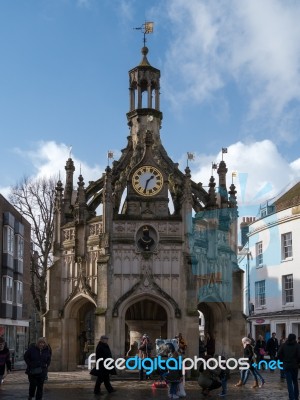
{"x": 232, "y": 196}
{"x": 187, "y": 193}
{"x": 212, "y": 201}
{"x": 144, "y": 62}
{"x": 80, "y": 199}
{"x": 59, "y": 194}
{"x": 69, "y": 179}
{"x": 222, "y": 170}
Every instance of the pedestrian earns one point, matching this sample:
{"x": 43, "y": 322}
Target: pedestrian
{"x": 102, "y": 353}
{"x": 224, "y": 376}
{"x": 272, "y": 348}
{"x": 202, "y": 348}
{"x": 145, "y": 349}
{"x": 289, "y": 354}
{"x": 207, "y": 380}
{"x": 37, "y": 358}
{"x": 260, "y": 350}
{"x": 82, "y": 345}
{"x": 181, "y": 344}
{"x": 174, "y": 375}
{"x": 250, "y": 356}
{"x": 210, "y": 345}
{"x": 282, "y": 341}
{"x": 4, "y": 359}
{"x": 249, "y": 336}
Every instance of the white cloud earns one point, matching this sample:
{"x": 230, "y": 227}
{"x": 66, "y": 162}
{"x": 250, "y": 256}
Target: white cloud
{"x": 262, "y": 172}
{"x": 49, "y": 158}
{"x": 250, "y": 43}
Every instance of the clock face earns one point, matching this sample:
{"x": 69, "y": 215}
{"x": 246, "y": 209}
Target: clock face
{"x": 147, "y": 181}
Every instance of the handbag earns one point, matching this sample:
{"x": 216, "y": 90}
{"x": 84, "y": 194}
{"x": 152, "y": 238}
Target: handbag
{"x": 35, "y": 371}
{"x": 262, "y": 351}
{"x": 95, "y": 372}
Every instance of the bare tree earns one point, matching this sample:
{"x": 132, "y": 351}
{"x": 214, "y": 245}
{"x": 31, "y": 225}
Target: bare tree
{"x": 34, "y": 199}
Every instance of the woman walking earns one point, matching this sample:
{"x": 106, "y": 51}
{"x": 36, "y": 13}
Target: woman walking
{"x": 249, "y": 354}
{"x": 37, "y": 358}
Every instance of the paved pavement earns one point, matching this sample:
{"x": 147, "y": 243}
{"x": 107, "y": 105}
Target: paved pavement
{"x": 78, "y": 385}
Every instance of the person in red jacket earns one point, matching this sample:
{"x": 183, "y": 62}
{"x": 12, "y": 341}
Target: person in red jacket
{"x": 4, "y": 359}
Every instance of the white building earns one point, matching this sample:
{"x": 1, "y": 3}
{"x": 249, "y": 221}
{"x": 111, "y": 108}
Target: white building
{"x": 271, "y": 261}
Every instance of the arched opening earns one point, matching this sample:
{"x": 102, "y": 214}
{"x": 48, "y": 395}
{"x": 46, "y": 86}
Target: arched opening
{"x": 144, "y": 316}
{"x": 86, "y": 322}
{"x": 213, "y": 319}
{"x": 79, "y": 317}
{"x": 143, "y": 94}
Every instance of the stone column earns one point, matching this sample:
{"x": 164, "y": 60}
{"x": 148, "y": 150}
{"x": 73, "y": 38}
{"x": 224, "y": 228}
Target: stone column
{"x": 102, "y": 292}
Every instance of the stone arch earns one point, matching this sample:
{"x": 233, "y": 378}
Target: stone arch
{"x": 73, "y": 323}
{"x": 217, "y": 316}
{"x": 167, "y": 317}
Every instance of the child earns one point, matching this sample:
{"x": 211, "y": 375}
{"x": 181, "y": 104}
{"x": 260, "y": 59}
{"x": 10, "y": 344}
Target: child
{"x": 4, "y": 359}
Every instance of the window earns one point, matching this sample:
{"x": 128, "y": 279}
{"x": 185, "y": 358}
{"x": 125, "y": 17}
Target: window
{"x": 286, "y": 245}
{"x": 260, "y": 294}
{"x": 7, "y": 289}
{"x": 287, "y": 289}
{"x": 18, "y": 292}
{"x": 19, "y": 247}
{"x": 259, "y": 254}
{"x": 8, "y": 240}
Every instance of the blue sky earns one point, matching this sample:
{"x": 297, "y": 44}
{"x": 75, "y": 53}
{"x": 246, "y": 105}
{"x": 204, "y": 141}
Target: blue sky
{"x": 230, "y": 78}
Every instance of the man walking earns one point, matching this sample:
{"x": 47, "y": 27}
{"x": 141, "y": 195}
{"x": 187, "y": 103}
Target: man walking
{"x": 289, "y": 354}
{"x": 102, "y": 353}
{"x": 272, "y": 347}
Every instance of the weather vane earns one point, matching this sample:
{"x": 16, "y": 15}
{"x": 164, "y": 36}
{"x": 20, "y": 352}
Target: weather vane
{"x": 214, "y": 166}
{"x": 224, "y": 151}
{"x": 190, "y": 157}
{"x": 146, "y": 28}
{"x": 110, "y": 155}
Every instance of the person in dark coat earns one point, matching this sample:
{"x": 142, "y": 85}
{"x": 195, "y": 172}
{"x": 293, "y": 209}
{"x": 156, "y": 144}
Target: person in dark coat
{"x": 260, "y": 350}
{"x": 38, "y": 359}
{"x": 272, "y": 347}
{"x": 210, "y": 345}
{"x": 202, "y": 348}
{"x": 4, "y": 359}
{"x": 289, "y": 354}
{"x": 174, "y": 376}
{"x": 103, "y": 351}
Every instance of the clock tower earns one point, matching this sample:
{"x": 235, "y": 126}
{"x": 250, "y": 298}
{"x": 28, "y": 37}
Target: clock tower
{"x": 159, "y": 252}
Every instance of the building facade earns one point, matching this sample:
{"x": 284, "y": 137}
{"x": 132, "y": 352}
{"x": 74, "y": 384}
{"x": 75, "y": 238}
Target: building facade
{"x": 273, "y": 262}
{"x": 144, "y": 248}
{"x": 15, "y": 278}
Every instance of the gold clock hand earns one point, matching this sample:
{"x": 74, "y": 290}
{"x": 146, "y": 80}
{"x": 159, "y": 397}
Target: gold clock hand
{"x": 147, "y": 181}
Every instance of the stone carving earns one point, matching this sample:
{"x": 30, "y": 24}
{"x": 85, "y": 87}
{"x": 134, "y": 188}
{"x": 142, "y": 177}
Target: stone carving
{"x": 162, "y": 228}
{"x": 174, "y": 227}
{"x": 146, "y": 242}
{"x": 96, "y": 229}
{"x": 69, "y": 234}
